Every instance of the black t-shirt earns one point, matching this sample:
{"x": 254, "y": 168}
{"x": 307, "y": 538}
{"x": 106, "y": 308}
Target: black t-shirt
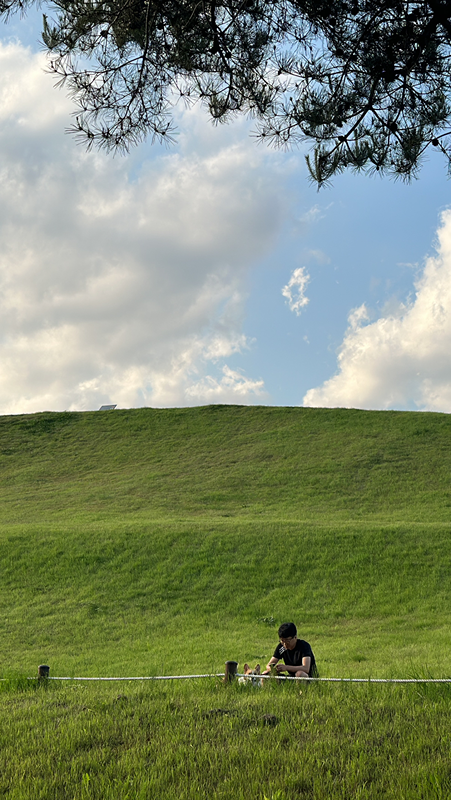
{"x": 294, "y": 657}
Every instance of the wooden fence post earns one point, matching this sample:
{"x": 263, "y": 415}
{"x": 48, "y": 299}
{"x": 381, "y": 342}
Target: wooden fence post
{"x": 230, "y": 671}
{"x": 43, "y": 671}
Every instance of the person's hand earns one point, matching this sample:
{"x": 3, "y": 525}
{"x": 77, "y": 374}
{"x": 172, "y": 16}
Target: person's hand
{"x": 281, "y": 668}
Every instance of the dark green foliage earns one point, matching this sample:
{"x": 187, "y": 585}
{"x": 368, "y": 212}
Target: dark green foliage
{"x": 367, "y": 84}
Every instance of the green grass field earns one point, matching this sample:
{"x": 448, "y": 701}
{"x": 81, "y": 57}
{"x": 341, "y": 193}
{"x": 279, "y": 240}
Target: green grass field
{"x": 161, "y": 542}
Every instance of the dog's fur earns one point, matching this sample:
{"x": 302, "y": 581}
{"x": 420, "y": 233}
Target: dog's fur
{"x": 251, "y": 676}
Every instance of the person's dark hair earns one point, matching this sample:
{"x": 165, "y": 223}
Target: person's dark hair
{"x": 287, "y": 630}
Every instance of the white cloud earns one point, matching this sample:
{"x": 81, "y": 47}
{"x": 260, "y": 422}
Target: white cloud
{"x": 122, "y": 281}
{"x": 319, "y": 256}
{"x": 402, "y": 359}
{"x": 294, "y": 291}
{"x": 229, "y": 389}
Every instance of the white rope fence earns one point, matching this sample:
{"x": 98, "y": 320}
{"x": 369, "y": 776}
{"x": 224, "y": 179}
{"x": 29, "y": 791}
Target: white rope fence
{"x": 229, "y": 675}
{"x": 142, "y": 678}
{"x": 264, "y": 677}
{"x": 250, "y": 678}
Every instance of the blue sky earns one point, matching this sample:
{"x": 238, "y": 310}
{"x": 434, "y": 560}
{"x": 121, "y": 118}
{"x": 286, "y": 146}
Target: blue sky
{"x": 209, "y": 272}
{"x": 375, "y": 235}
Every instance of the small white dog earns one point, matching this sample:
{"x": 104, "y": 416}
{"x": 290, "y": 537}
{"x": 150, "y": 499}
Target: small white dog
{"x": 251, "y": 676}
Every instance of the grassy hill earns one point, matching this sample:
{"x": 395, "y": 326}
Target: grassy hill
{"x": 159, "y": 542}
{"x": 121, "y": 532}
{"x": 233, "y": 460}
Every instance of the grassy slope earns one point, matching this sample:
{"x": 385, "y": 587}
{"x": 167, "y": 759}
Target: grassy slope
{"x": 158, "y": 541}
{"x": 290, "y": 462}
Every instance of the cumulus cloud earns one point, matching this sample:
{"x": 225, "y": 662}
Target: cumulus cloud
{"x": 121, "y": 282}
{"x": 401, "y": 360}
{"x": 294, "y": 291}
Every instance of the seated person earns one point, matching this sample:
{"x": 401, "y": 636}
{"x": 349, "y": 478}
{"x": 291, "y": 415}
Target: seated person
{"x": 298, "y": 658}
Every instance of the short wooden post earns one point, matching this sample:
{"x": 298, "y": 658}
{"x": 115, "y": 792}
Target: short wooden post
{"x": 230, "y": 671}
{"x": 43, "y": 671}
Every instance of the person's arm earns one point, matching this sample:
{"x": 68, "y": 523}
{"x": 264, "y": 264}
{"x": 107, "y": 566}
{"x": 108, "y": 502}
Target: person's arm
{"x": 304, "y": 667}
{"x": 270, "y": 664}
